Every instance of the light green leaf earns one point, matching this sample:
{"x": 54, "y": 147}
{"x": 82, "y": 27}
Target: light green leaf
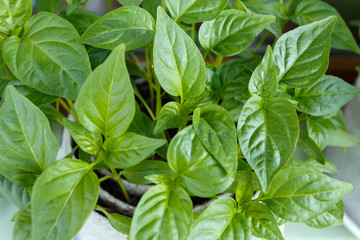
{"x": 13, "y": 15}
{"x": 130, "y": 149}
{"x": 263, "y": 222}
{"x": 303, "y": 53}
{"x": 328, "y": 167}
{"x": 28, "y": 145}
{"x": 300, "y": 194}
{"x": 14, "y": 192}
{"x": 130, "y": 2}
{"x": 22, "y": 227}
{"x": 308, "y": 11}
{"x": 132, "y": 26}
{"x": 62, "y": 199}
{"x": 232, "y": 31}
{"x": 106, "y": 102}
{"x": 164, "y": 212}
{"x": 171, "y": 116}
{"x": 119, "y": 222}
{"x": 88, "y": 141}
{"x": 80, "y": 20}
{"x": 329, "y": 218}
{"x": 327, "y": 94}
{"x": 341, "y": 138}
{"x": 263, "y": 81}
{"x": 47, "y": 57}
{"x": 178, "y": 63}
{"x": 268, "y": 133}
{"x": 220, "y": 221}
{"x": 306, "y": 144}
{"x": 194, "y": 11}
{"x": 244, "y": 190}
{"x": 137, "y": 173}
{"x": 48, "y": 5}
{"x": 216, "y": 130}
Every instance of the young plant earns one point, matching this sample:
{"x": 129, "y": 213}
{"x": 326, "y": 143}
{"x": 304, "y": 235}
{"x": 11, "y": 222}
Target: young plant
{"x": 207, "y": 126}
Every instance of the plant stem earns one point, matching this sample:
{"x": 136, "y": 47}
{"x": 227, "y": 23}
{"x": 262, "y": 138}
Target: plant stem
{"x": 206, "y": 54}
{"x": 105, "y": 178}
{"x": 73, "y": 110}
{"x": 111, "y": 7}
{"x": 147, "y": 107}
{"x": 63, "y": 104}
{"x": 149, "y": 76}
{"x": 218, "y": 61}
{"x": 84, "y": 5}
{"x": 70, "y": 155}
{"x": 121, "y": 184}
{"x": 193, "y": 31}
{"x": 158, "y": 97}
{"x": 100, "y": 208}
{"x": 239, "y": 5}
{"x": 261, "y": 41}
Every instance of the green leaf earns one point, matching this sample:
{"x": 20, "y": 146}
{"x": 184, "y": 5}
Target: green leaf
{"x": 14, "y": 14}
{"x": 178, "y": 63}
{"x": 220, "y": 221}
{"x": 300, "y": 194}
{"x": 70, "y": 8}
{"x": 47, "y": 57}
{"x": 263, "y": 81}
{"x": 194, "y": 11}
{"x": 152, "y": 5}
{"x": 63, "y": 197}
{"x": 88, "y": 141}
{"x": 132, "y": 26}
{"x": 329, "y": 218}
{"x": 48, "y": 5}
{"x": 328, "y": 167}
{"x": 190, "y": 160}
{"x": 130, "y": 149}
{"x": 268, "y": 132}
{"x": 170, "y": 116}
{"x": 309, "y": 11}
{"x": 80, "y": 20}
{"x": 130, "y": 2}
{"x": 14, "y": 192}
{"x": 22, "y": 227}
{"x": 216, "y": 131}
{"x": 306, "y": 144}
{"x": 263, "y": 222}
{"x": 327, "y": 94}
{"x": 302, "y": 54}
{"x": 341, "y": 138}
{"x": 106, "y": 102}
{"x": 164, "y": 212}
{"x": 28, "y": 145}
{"x": 137, "y": 173}
{"x": 244, "y": 190}
{"x": 5, "y": 76}
{"x": 120, "y": 223}
{"x": 232, "y": 31}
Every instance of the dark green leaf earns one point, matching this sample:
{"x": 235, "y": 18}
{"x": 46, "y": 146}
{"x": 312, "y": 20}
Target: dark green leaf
{"x": 14, "y": 14}
{"x": 97, "y": 55}
{"x": 106, "y": 102}
{"x": 14, "y": 192}
{"x": 22, "y": 227}
{"x": 130, "y": 2}
{"x": 51, "y": 112}
{"x": 244, "y": 191}
{"x": 130, "y": 149}
{"x": 48, "y": 5}
{"x": 326, "y": 95}
{"x": 193, "y": 11}
{"x": 164, "y": 212}
{"x": 132, "y": 26}
{"x": 178, "y": 63}
{"x": 306, "y": 144}
{"x": 88, "y": 141}
{"x": 329, "y": 218}
{"x": 268, "y": 133}
{"x": 47, "y": 57}
{"x": 62, "y": 199}
{"x": 232, "y": 31}
{"x": 28, "y": 145}
{"x": 170, "y": 116}
{"x": 152, "y": 5}
{"x": 303, "y": 53}
{"x": 220, "y": 221}
{"x": 80, "y": 20}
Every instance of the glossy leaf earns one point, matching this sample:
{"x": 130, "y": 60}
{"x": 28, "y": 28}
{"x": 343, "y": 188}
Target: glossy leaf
{"x": 28, "y": 145}
{"x": 216, "y": 131}
{"x": 302, "y": 54}
{"x": 329, "y": 218}
{"x": 220, "y": 221}
{"x": 306, "y": 144}
{"x": 194, "y": 11}
{"x": 88, "y": 141}
{"x": 309, "y": 11}
{"x": 130, "y": 149}
{"x": 164, "y": 212}
{"x": 268, "y": 132}
{"x": 22, "y": 227}
{"x": 62, "y": 199}
{"x": 263, "y": 222}
{"x": 328, "y": 167}
{"x": 299, "y": 194}
{"x": 137, "y": 173}
{"x": 119, "y": 222}
{"x": 170, "y": 116}
{"x": 130, "y": 2}
{"x": 327, "y": 94}
{"x": 341, "y": 138}
{"x": 48, "y": 5}
{"x": 47, "y": 57}
{"x": 178, "y": 63}
{"x": 13, "y": 15}
{"x": 244, "y": 190}
{"x": 189, "y": 159}
{"x": 232, "y": 31}
{"x": 132, "y": 26}
{"x": 106, "y": 101}
{"x": 14, "y": 192}
{"x": 263, "y": 81}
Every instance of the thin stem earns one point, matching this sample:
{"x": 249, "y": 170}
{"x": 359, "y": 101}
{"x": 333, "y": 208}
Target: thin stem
{"x": 101, "y": 209}
{"x": 260, "y": 42}
{"x": 70, "y": 155}
{"x": 206, "y": 54}
{"x": 218, "y": 61}
{"x": 147, "y": 107}
{"x": 64, "y": 105}
{"x": 239, "y": 5}
{"x": 193, "y": 31}
{"x": 84, "y": 5}
{"x": 105, "y": 178}
{"x": 149, "y": 76}
{"x": 57, "y": 105}
{"x": 111, "y": 7}
{"x": 158, "y": 97}
{"x": 73, "y": 110}
{"x": 121, "y": 184}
